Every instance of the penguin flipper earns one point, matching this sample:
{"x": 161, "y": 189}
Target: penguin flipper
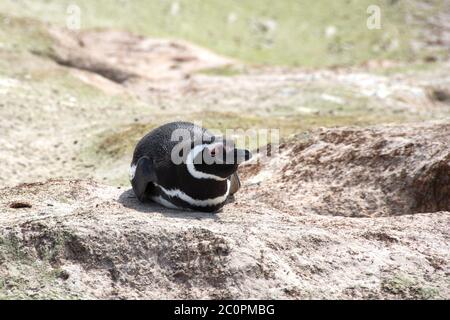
{"x": 235, "y": 183}
{"x": 143, "y": 175}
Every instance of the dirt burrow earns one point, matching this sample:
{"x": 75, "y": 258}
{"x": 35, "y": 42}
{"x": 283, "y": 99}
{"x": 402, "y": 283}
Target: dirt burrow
{"x": 81, "y": 239}
{"x": 378, "y": 171}
{"x": 85, "y": 240}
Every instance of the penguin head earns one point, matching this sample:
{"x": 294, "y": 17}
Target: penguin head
{"x": 217, "y": 159}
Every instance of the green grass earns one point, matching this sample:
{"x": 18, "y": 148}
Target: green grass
{"x": 42, "y": 280}
{"x": 224, "y": 72}
{"x": 21, "y": 34}
{"x": 298, "y": 38}
{"x": 407, "y": 288}
{"x": 10, "y": 247}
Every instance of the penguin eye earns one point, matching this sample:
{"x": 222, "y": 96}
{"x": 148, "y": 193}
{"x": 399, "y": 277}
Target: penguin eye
{"x": 215, "y": 151}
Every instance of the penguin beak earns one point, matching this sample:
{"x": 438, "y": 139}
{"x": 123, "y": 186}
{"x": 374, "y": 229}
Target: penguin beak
{"x": 232, "y": 155}
{"x": 242, "y": 155}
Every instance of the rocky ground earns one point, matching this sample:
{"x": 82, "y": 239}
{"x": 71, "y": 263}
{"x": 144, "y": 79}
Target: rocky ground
{"x": 346, "y": 213}
{"x": 354, "y": 205}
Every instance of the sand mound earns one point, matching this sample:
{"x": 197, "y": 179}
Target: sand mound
{"x": 72, "y": 238}
{"x": 378, "y": 171}
{"x": 125, "y": 58}
{"x": 119, "y": 55}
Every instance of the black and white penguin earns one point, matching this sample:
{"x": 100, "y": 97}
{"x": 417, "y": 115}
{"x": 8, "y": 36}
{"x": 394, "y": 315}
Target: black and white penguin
{"x": 183, "y": 166}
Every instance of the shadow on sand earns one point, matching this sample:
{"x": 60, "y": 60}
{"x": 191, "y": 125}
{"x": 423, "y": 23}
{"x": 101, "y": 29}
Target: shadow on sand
{"x": 129, "y": 200}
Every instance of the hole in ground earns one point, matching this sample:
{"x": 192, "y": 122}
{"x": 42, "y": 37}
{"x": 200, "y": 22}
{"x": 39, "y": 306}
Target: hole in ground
{"x": 440, "y": 94}
{"x": 19, "y": 205}
{"x": 432, "y": 188}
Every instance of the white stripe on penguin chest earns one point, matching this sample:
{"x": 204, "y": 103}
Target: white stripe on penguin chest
{"x": 176, "y": 193}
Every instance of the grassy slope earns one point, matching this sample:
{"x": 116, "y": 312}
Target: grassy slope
{"x": 299, "y": 37}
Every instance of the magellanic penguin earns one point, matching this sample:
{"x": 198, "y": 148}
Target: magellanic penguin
{"x": 183, "y": 166}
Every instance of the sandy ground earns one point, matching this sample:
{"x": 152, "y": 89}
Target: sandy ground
{"x": 338, "y": 213}
{"x": 79, "y": 239}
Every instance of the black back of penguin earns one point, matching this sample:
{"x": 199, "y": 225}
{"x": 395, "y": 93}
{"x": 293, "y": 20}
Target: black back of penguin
{"x": 158, "y": 143}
